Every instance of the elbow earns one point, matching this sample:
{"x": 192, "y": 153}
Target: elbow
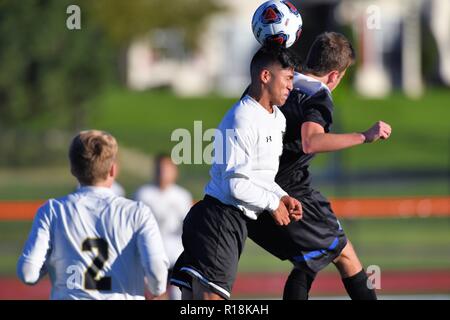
{"x": 307, "y": 148}
{"x": 28, "y": 278}
{"x": 158, "y": 292}
{"x": 157, "y": 277}
{"x": 157, "y": 288}
{"x": 233, "y": 192}
{"x": 236, "y": 188}
{"x": 26, "y": 274}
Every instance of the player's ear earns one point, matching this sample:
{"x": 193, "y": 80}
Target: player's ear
{"x": 265, "y": 76}
{"x": 333, "y": 79}
{"x": 113, "y": 171}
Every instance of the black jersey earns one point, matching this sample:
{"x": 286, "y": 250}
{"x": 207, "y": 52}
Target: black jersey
{"x": 309, "y": 101}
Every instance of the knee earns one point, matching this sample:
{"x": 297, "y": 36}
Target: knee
{"x": 347, "y": 254}
{"x": 347, "y": 262}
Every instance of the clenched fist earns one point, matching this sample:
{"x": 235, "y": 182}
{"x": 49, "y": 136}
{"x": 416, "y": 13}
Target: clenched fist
{"x": 379, "y": 130}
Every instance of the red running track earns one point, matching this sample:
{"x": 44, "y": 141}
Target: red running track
{"x": 271, "y": 285}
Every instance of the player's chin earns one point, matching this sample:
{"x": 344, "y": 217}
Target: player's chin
{"x": 282, "y": 101}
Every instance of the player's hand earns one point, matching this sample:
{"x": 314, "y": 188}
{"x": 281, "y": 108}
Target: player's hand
{"x": 379, "y": 130}
{"x": 294, "y": 207}
{"x": 149, "y": 296}
{"x": 281, "y": 215}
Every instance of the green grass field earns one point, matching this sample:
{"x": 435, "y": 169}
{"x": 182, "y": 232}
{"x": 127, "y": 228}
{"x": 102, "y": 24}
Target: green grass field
{"x": 420, "y": 139}
{"x": 51, "y": 182}
{"x": 145, "y": 120}
{"x": 392, "y": 244}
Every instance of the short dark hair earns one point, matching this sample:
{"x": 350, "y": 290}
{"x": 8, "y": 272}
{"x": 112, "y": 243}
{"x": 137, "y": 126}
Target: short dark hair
{"x": 270, "y": 54}
{"x": 91, "y": 155}
{"x": 330, "y": 51}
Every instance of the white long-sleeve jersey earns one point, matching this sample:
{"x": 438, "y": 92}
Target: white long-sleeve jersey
{"x": 95, "y": 245}
{"x": 247, "y": 147}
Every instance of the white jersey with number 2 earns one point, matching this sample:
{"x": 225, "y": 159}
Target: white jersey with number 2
{"x": 95, "y": 245}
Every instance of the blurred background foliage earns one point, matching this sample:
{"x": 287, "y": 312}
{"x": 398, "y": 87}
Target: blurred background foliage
{"x": 49, "y": 73}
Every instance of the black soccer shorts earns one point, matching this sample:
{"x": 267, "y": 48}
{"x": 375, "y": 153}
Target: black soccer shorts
{"x": 310, "y": 243}
{"x": 213, "y": 238}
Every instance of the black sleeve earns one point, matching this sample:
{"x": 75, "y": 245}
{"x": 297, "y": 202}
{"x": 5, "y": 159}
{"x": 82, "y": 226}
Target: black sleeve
{"x": 319, "y": 109}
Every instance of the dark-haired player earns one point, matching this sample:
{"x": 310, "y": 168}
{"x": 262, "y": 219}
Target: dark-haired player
{"x": 318, "y": 239}
{"x": 247, "y": 145}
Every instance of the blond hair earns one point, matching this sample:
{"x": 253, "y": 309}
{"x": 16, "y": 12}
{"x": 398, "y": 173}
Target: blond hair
{"x": 91, "y": 155}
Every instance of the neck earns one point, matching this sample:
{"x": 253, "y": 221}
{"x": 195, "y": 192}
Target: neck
{"x": 105, "y": 183}
{"x": 261, "y": 97}
{"x": 164, "y": 185}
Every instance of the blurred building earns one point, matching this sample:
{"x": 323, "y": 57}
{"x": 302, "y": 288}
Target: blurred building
{"x": 387, "y": 35}
{"x": 221, "y": 63}
{"x": 390, "y": 43}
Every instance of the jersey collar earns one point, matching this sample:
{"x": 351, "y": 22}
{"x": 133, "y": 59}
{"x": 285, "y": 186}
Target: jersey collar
{"x": 94, "y": 189}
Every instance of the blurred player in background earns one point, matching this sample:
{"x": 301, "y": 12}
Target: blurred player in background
{"x": 247, "y": 146}
{"x": 169, "y": 203}
{"x": 94, "y": 244}
{"x": 318, "y": 239}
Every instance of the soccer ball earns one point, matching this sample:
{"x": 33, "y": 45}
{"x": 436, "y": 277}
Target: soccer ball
{"x": 277, "y": 21}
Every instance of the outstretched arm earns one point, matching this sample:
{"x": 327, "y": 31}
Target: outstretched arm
{"x": 315, "y": 139}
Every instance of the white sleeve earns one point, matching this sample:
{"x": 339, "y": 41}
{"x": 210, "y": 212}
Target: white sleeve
{"x": 239, "y": 153}
{"x": 151, "y": 250}
{"x": 279, "y": 191}
{"x": 31, "y": 264}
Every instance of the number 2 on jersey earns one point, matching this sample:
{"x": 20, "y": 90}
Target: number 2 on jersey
{"x": 90, "y": 276}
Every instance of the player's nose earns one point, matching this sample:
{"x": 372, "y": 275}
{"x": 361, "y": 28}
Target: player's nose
{"x": 290, "y": 86}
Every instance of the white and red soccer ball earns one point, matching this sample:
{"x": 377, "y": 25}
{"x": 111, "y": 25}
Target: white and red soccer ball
{"x": 277, "y": 21}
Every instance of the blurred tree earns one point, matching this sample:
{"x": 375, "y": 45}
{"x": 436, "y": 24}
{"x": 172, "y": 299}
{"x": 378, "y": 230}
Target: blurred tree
{"x": 48, "y": 73}
{"x": 124, "y": 20}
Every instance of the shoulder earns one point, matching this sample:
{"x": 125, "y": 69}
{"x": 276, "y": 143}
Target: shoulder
{"x": 242, "y": 114}
{"x": 55, "y": 205}
{"x": 308, "y": 85}
{"x": 239, "y": 119}
{"x": 118, "y": 189}
{"x": 53, "y": 208}
{"x": 308, "y": 89}
{"x": 321, "y": 98}
{"x": 137, "y": 211}
{"x": 144, "y": 216}
{"x": 146, "y": 191}
{"x": 182, "y": 192}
